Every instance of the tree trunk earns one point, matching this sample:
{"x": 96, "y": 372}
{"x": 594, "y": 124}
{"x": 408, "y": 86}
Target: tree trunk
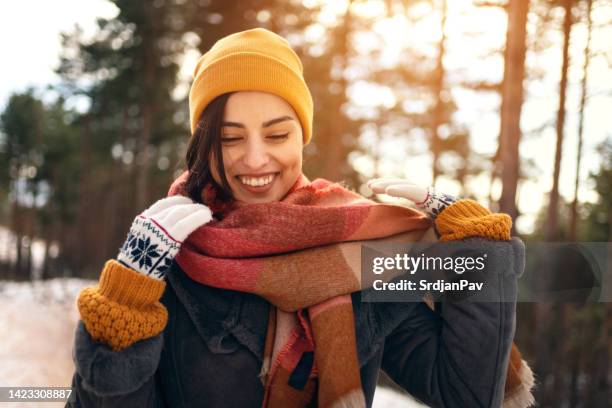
{"x": 86, "y": 208}
{"x": 335, "y": 162}
{"x": 147, "y": 103}
{"x": 17, "y": 233}
{"x": 561, "y": 364}
{"x": 548, "y": 357}
{"x": 28, "y": 264}
{"x": 511, "y": 105}
{"x": 574, "y": 377}
{"x": 44, "y": 269}
{"x": 117, "y": 200}
{"x": 585, "y": 69}
{"x": 438, "y": 89}
{"x": 552, "y": 224}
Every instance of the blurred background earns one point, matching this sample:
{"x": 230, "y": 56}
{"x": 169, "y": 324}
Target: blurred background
{"x": 506, "y": 102}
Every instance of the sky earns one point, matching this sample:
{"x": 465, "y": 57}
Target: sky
{"x": 30, "y": 42}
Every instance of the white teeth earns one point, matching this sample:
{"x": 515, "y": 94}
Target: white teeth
{"x": 257, "y": 181}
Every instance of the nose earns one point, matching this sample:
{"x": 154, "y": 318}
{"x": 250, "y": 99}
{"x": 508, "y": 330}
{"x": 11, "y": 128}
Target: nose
{"x": 256, "y": 155}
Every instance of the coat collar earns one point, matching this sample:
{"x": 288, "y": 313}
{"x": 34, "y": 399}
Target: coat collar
{"x": 223, "y": 318}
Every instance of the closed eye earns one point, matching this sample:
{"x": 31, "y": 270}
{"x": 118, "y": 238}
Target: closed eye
{"x": 230, "y": 139}
{"x": 278, "y": 137}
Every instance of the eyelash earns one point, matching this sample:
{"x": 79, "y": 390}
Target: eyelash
{"x": 276, "y": 137}
{"x": 284, "y": 135}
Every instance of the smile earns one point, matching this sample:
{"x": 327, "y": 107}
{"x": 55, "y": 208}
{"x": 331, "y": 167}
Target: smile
{"x": 257, "y": 181}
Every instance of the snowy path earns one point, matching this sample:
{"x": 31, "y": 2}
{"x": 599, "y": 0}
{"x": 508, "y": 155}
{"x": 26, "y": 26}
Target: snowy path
{"x": 37, "y": 322}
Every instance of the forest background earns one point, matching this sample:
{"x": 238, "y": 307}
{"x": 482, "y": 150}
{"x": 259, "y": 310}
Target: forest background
{"x": 506, "y": 102}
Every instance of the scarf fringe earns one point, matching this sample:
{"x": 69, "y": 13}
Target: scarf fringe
{"x": 354, "y": 399}
{"x": 265, "y": 370}
{"x": 522, "y": 397}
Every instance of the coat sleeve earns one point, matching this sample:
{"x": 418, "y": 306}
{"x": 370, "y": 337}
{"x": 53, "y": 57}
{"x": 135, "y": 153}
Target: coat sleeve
{"x": 118, "y": 340}
{"x": 457, "y": 355}
{"x": 106, "y": 378}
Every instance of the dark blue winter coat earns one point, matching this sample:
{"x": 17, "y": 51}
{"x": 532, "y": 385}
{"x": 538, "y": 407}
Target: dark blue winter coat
{"x": 210, "y": 353}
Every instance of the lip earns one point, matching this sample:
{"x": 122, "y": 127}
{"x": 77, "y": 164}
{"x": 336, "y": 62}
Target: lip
{"x": 258, "y": 189}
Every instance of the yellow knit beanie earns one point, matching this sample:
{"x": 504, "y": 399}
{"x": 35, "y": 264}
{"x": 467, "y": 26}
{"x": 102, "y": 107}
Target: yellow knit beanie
{"x": 251, "y": 60}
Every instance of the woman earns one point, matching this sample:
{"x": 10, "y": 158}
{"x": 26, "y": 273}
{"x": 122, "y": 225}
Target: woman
{"x": 240, "y": 288}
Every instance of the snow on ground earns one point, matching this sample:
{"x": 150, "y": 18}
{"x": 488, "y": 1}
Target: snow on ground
{"x": 37, "y": 321}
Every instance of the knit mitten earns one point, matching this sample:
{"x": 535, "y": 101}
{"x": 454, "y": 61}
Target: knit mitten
{"x": 467, "y": 218}
{"x": 434, "y": 202}
{"x": 124, "y": 307}
{"x": 156, "y": 235}
{"x": 426, "y": 199}
{"x": 454, "y": 218}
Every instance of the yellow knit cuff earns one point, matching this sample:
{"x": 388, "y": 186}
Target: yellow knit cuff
{"x": 128, "y": 287}
{"x": 466, "y": 218}
{"x": 123, "y": 308}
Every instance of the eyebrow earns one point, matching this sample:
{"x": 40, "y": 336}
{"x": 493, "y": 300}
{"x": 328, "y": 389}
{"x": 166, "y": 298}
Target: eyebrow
{"x": 265, "y": 124}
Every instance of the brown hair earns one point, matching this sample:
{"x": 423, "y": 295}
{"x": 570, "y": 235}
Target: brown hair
{"x": 206, "y": 140}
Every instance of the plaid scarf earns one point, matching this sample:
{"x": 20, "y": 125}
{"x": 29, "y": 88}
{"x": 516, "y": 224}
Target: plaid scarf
{"x": 303, "y": 255}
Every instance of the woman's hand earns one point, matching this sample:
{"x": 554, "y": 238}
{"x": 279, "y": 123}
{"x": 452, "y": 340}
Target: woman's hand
{"x": 124, "y": 307}
{"x": 425, "y": 198}
{"x": 156, "y": 235}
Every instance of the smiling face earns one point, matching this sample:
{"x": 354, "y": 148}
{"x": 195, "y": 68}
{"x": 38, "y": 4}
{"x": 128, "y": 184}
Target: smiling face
{"x": 261, "y": 143}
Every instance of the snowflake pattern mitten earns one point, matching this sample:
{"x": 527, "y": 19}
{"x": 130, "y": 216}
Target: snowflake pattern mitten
{"x": 148, "y": 249}
{"x": 435, "y": 203}
{"x": 156, "y": 235}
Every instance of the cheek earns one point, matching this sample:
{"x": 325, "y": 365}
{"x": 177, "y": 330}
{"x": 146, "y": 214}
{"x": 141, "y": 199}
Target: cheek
{"x": 229, "y": 160}
{"x": 291, "y": 156}
{"x": 291, "y": 160}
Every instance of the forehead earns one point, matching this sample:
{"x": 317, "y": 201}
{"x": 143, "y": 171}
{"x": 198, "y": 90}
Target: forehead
{"x": 255, "y": 106}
